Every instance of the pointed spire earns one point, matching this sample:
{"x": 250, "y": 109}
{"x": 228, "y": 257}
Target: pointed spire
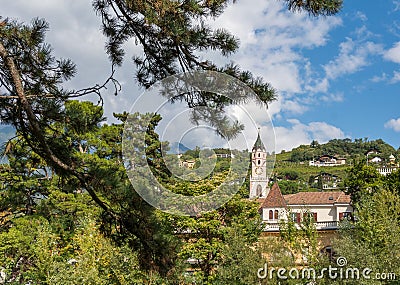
{"x": 275, "y": 198}
{"x": 259, "y": 143}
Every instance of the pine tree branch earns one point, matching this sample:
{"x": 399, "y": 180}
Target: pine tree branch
{"x": 34, "y": 127}
{"x": 34, "y": 124}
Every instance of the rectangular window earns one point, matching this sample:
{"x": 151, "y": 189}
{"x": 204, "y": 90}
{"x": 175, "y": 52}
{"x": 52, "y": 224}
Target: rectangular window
{"x": 312, "y": 215}
{"x": 296, "y": 217}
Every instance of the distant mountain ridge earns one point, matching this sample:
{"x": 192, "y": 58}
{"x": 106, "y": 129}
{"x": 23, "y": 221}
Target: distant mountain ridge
{"x": 177, "y": 147}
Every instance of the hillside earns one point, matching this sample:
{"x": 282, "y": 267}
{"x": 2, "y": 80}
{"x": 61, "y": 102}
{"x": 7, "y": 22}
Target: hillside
{"x": 293, "y": 173}
{"x": 346, "y": 148}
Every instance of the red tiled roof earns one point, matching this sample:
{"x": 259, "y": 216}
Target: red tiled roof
{"x": 343, "y": 198}
{"x": 275, "y": 198}
{"x": 260, "y": 200}
{"x": 317, "y": 198}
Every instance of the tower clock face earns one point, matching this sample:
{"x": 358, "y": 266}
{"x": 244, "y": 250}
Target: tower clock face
{"x": 259, "y": 170}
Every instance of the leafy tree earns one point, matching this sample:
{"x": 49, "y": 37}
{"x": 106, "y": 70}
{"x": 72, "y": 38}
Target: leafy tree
{"x": 36, "y": 252}
{"x": 362, "y": 180}
{"x": 314, "y": 143}
{"x": 290, "y": 174}
{"x": 300, "y": 238}
{"x": 34, "y": 186}
{"x": 288, "y": 187}
{"x": 212, "y": 238}
{"x": 373, "y": 240}
{"x": 240, "y": 259}
{"x": 392, "y": 182}
{"x": 320, "y": 185}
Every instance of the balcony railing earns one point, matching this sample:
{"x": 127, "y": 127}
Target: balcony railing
{"x": 329, "y": 225}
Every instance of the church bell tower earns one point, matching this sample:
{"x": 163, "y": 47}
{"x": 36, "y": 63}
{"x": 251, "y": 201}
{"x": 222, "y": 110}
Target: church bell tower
{"x": 258, "y": 179}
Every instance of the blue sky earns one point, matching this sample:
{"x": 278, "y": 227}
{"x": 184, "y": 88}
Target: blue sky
{"x": 336, "y": 77}
{"x": 369, "y": 92}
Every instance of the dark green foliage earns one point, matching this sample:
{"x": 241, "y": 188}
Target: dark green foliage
{"x": 30, "y": 186}
{"x": 288, "y": 187}
{"x": 316, "y": 7}
{"x": 393, "y": 182}
{"x": 31, "y": 81}
{"x": 372, "y": 241}
{"x": 362, "y": 180}
{"x": 290, "y": 175}
{"x": 240, "y": 260}
{"x": 304, "y": 153}
{"x": 219, "y": 240}
{"x": 171, "y": 33}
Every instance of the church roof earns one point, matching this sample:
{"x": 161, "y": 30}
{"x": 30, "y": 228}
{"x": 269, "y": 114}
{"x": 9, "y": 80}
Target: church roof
{"x": 275, "y": 198}
{"x": 317, "y": 198}
{"x": 258, "y": 144}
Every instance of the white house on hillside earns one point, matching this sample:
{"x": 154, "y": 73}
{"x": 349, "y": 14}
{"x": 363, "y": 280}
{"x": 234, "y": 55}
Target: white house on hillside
{"x": 386, "y": 170}
{"x": 376, "y": 159}
{"x": 327, "y": 160}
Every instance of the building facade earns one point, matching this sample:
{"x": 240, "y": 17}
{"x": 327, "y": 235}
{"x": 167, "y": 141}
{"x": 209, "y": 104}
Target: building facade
{"x": 326, "y": 208}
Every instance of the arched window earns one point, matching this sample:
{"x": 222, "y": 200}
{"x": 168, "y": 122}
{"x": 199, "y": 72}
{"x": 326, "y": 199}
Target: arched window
{"x": 258, "y": 190}
{"x": 276, "y": 214}
{"x": 259, "y": 162}
{"x": 259, "y": 154}
{"x": 271, "y": 214}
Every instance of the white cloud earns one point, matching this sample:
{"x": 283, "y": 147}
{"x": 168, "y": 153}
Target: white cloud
{"x": 379, "y": 78}
{"x": 393, "y": 54}
{"x": 318, "y": 86}
{"x": 352, "y": 57}
{"x": 393, "y": 124}
{"x": 299, "y": 133}
{"x": 360, "y": 15}
{"x": 333, "y": 97}
{"x": 272, "y": 38}
{"x": 294, "y": 107}
{"x": 396, "y": 77}
{"x": 384, "y": 77}
{"x": 354, "y": 54}
{"x": 396, "y": 6}
{"x": 272, "y": 43}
